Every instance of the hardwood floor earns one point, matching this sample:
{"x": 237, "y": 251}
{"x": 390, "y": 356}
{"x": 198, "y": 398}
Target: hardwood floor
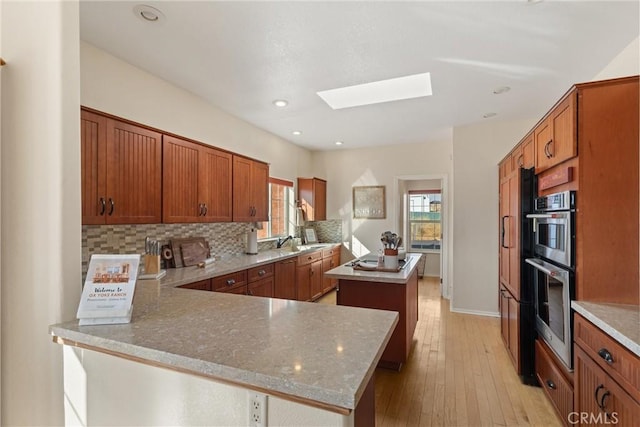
{"x": 458, "y": 374}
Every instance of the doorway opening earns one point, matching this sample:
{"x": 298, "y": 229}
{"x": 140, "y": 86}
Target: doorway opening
{"x": 422, "y": 208}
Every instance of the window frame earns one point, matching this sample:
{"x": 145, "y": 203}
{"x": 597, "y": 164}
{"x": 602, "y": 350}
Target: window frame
{"x": 287, "y": 212}
{"x": 410, "y": 222}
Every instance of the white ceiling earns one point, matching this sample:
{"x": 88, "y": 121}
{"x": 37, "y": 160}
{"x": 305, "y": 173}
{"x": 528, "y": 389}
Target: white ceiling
{"x": 240, "y": 56}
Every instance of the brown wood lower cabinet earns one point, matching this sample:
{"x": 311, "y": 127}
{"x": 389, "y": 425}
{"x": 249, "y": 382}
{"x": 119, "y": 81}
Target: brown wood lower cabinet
{"x": 261, "y": 288}
{"x": 556, "y": 386}
{"x": 510, "y": 325}
{"x": 330, "y": 260}
{"x": 260, "y": 281}
{"x": 309, "y": 276}
{"x": 607, "y": 388}
{"x": 402, "y": 298}
{"x": 234, "y": 283}
{"x": 285, "y": 279}
{"x": 201, "y": 285}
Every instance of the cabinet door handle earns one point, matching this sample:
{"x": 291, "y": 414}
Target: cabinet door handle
{"x": 249, "y": 292}
{"x": 520, "y": 160}
{"x": 595, "y": 394}
{"x": 112, "y": 206}
{"x": 606, "y": 355}
{"x": 261, "y": 273}
{"x": 551, "y": 385}
{"x": 206, "y": 209}
{"x": 103, "y": 206}
{"x": 603, "y": 400}
{"x": 547, "y": 149}
{"x": 231, "y": 282}
{"x": 503, "y": 232}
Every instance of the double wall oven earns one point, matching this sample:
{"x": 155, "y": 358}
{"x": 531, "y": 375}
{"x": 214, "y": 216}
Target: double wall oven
{"x": 553, "y": 269}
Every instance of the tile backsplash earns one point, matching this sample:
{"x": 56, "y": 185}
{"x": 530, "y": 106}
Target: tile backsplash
{"x": 223, "y": 238}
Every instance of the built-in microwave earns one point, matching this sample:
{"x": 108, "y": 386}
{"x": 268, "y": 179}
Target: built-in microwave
{"x": 553, "y": 291}
{"x": 554, "y": 227}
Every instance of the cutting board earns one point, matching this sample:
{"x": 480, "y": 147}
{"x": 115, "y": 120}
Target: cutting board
{"x": 194, "y": 253}
{"x": 176, "y": 247}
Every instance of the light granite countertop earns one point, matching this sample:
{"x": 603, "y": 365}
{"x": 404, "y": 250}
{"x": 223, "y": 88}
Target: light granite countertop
{"x": 621, "y": 322}
{"x": 347, "y": 272}
{"x": 320, "y": 354}
{"x": 232, "y": 263}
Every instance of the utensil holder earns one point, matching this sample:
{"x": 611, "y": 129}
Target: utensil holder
{"x": 390, "y": 258}
{"x": 151, "y": 264}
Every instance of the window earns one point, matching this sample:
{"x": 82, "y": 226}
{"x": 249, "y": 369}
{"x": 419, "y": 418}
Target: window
{"x": 280, "y": 210}
{"x": 425, "y": 220}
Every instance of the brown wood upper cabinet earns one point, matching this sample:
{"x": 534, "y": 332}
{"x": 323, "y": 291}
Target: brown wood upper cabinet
{"x": 556, "y": 137}
{"x": 250, "y": 190}
{"x": 312, "y": 194}
{"x": 196, "y": 182}
{"x": 523, "y": 155}
{"x": 121, "y": 171}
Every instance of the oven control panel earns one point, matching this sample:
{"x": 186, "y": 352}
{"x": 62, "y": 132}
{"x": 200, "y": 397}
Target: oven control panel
{"x": 556, "y": 202}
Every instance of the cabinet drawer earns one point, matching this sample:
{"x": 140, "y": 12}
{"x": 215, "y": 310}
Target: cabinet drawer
{"x": 309, "y": 258}
{"x": 229, "y": 281}
{"x": 554, "y": 384}
{"x": 329, "y": 252}
{"x": 623, "y": 365}
{"x": 202, "y": 285}
{"x": 257, "y": 273}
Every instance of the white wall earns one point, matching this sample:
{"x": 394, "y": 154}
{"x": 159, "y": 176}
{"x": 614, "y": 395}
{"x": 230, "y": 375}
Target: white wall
{"x": 40, "y": 202}
{"x": 477, "y": 149}
{"x": 111, "y": 85}
{"x": 344, "y": 169}
{"x": 626, "y": 63}
{"x": 103, "y": 390}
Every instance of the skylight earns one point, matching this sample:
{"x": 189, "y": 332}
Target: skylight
{"x": 408, "y": 87}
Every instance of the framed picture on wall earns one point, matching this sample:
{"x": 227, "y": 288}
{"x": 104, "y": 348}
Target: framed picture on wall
{"x": 310, "y": 235}
{"x": 369, "y": 202}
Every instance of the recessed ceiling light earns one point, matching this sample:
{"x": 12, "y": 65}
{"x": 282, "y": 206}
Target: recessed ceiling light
{"x": 487, "y": 115}
{"x": 502, "y": 89}
{"x": 148, "y": 13}
{"x": 297, "y": 132}
{"x": 280, "y": 103}
{"x": 339, "y": 142}
{"x": 415, "y": 86}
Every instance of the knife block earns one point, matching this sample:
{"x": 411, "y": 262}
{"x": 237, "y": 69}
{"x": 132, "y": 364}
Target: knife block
{"x": 151, "y": 264}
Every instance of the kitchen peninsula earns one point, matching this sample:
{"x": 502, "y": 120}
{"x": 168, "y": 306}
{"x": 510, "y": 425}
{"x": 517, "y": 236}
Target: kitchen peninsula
{"x": 191, "y": 358}
{"x": 395, "y": 291}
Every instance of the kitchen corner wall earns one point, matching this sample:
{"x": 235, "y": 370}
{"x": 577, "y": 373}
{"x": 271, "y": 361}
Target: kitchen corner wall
{"x": 389, "y": 166}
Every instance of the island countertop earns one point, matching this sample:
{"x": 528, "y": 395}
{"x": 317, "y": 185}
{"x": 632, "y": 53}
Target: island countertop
{"x": 322, "y": 355}
{"x": 347, "y": 272}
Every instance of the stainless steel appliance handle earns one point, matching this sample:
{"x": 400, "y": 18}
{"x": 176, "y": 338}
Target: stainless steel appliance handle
{"x": 536, "y": 216}
{"x": 534, "y": 262}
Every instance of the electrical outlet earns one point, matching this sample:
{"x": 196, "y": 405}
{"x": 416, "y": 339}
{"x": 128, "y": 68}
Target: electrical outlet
{"x": 257, "y": 409}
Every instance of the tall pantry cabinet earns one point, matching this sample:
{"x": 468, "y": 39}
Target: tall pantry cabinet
{"x": 587, "y": 143}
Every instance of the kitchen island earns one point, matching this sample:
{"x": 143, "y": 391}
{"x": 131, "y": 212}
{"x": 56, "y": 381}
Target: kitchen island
{"x": 394, "y": 291}
{"x": 192, "y": 358}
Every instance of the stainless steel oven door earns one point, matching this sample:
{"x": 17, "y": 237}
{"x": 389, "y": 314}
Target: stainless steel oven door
{"x": 553, "y": 236}
{"x": 552, "y": 296}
